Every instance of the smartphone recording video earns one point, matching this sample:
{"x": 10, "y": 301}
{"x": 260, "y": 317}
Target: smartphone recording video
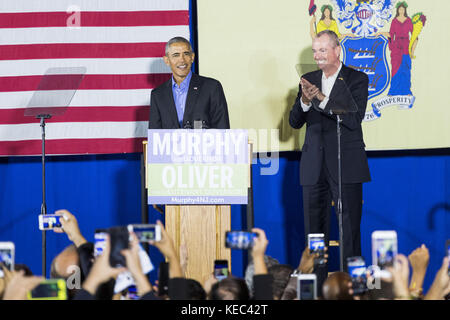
{"x": 53, "y": 289}
{"x": 146, "y": 232}
{"x": 119, "y": 240}
{"x": 357, "y": 269}
{"x": 6, "y": 256}
{"x": 307, "y": 287}
{"x": 49, "y": 221}
{"x": 239, "y": 239}
{"x": 220, "y": 269}
{"x": 99, "y": 244}
{"x": 316, "y": 245}
{"x": 384, "y": 250}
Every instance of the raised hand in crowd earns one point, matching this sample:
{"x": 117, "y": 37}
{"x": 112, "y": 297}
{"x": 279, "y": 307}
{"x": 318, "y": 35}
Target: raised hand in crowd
{"x": 212, "y": 280}
{"x": 419, "y": 260}
{"x": 400, "y": 277}
{"x": 70, "y": 227}
{"x": 4, "y": 281}
{"x": 101, "y": 271}
{"x": 165, "y": 245}
{"x": 306, "y": 264}
{"x": 134, "y": 266}
{"x": 441, "y": 284}
{"x": 18, "y": 285}
{"x": 258, "y": 250}
{"x": 183, "y": 258}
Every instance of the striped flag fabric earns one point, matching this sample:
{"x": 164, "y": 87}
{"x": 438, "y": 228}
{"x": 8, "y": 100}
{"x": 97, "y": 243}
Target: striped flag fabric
{"x": 120, "y": 44}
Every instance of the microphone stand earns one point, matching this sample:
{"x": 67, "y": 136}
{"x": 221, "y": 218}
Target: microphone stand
{"x": 42, "y": 117}
{"x": 46, "y": 103}
{"x": 339, "y": 209}
{"x": 339, "y": 202}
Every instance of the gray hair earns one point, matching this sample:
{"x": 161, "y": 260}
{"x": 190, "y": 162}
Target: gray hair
{"x": 334, "y": 40}
{"x": 177, "y": 40}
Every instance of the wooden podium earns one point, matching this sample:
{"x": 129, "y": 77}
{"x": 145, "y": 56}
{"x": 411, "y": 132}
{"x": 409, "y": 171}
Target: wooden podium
{"x": 201, "y": 229}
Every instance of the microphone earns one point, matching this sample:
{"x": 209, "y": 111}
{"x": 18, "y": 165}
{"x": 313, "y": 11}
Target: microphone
{"x": 200, "y": 124}
{"x": 187, "y": 125}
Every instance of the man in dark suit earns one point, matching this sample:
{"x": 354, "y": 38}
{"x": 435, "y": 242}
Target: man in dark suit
{"x": 186, "y": 98}
{"x": 334, "y": 87}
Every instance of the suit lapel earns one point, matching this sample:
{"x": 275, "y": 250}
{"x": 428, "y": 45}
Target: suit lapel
{"x": 193, "y": 92}
{"x": 170, "y": 102}
{"x": 340, "y": 80}
{"x": 319, "y": 79}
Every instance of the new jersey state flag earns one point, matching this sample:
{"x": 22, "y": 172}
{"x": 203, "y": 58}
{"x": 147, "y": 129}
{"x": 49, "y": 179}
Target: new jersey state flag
{"x": 120, "y": 44}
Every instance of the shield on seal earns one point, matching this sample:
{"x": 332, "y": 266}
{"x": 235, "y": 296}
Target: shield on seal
{"x": 368, "y": 54}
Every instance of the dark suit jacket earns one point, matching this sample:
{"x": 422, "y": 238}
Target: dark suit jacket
{"x": 205, "y": 101}
{"x": 350, "y": 89}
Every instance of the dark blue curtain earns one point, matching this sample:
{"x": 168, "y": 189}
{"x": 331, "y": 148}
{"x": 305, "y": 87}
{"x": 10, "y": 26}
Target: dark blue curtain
{"x": 408, "y": 193}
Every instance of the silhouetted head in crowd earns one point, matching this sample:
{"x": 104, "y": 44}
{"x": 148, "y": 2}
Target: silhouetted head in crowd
{"x": 281, "y": 274}
{"x": 250, "y": 271}
{"x": 195, "y": 290}
{"x": 62, "y": 264}
{"x": 66, "y": 264}
{"x": 336, "y": 287}
{"x": 230, "y": 288}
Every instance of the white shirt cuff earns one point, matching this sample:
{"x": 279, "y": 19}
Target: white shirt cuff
{"x": 323, "y": 104}
{"x": 305, "y": 107}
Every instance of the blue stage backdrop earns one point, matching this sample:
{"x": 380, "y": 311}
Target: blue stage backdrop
{"x": 408, "y": 193}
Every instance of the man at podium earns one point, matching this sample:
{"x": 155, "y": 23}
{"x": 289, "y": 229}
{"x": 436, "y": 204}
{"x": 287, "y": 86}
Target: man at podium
{"x": 186, "y": 98}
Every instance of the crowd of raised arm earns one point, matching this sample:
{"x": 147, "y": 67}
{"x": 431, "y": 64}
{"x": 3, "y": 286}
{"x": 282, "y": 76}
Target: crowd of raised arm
{"x": 265, "y": 278}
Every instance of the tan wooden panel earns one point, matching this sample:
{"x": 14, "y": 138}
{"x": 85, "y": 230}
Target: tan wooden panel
{"x": 202, "y": 230}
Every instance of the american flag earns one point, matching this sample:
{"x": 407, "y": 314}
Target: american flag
{"x": 120, "y": 42}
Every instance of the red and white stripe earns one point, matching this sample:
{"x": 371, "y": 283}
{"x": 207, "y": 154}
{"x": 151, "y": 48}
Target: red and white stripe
{"x": 364, "y": 14}
{"x": 121, "y": 44}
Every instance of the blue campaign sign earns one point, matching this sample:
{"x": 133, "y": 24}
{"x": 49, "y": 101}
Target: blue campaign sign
{"x": 368, "y": 55}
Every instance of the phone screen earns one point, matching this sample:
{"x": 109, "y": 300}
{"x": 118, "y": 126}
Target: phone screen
{"x": 239, "y": 239}
{"x": 306, "y": 289}
{"x": 49, "y": 290}
{"x": 119, "y": 240}
{"x": 7, "y": 258}
{"x": 220, "y": 269}
{"x": 146, "y": 232}
{"x": 316, "y": 244}
{"x": 99, "y": 245}
{"x": 49, "y": 221}
{"x": 386, "y": 250}
{"x": 357, "y": 270}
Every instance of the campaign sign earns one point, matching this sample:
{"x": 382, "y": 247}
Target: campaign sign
{"x": 197, "y": 166}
